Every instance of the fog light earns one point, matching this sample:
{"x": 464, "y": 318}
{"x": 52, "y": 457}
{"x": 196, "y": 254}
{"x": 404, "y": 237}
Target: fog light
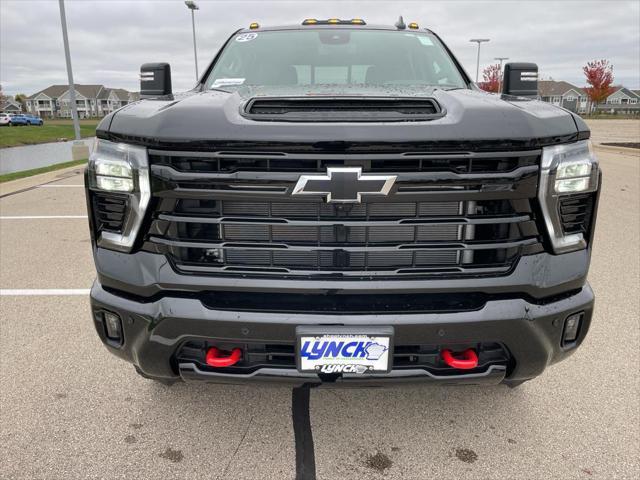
{"x": 113, "y": 325}
{"x": 571, "y": 328}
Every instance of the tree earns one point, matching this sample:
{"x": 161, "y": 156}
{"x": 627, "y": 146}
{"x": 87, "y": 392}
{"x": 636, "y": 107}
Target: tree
{"x": 491, "y": 79}
{"x": 21, "y": 98}
{"x": 599, "y": 75}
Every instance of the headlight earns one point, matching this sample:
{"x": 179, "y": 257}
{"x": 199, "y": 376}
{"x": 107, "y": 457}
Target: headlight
{"x": 568, "y": 173}
{"x": 119, "y": 181}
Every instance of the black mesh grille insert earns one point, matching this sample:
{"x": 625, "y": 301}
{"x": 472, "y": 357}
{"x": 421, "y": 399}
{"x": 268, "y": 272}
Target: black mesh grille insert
{"x": 576, "y": 213}
{"x": 109, "y": 211}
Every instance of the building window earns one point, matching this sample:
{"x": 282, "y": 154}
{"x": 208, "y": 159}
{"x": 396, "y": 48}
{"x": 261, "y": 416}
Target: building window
{"x": 570, "y": 99}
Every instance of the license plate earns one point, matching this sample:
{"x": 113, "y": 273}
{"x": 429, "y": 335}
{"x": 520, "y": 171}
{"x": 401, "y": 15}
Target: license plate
{"x": 349, "y": 350}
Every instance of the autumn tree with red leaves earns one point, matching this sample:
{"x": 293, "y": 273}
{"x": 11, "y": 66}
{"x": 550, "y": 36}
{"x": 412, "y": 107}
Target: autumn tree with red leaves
{"x": 491, "y": 79}
{"x": 599, "y": 75}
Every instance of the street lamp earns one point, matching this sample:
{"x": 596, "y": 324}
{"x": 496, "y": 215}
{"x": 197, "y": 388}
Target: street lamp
{"x": 72, "y": 90}
{"x": 500, "y": 59}
{"x": 193, "y": 7}
{"x": 478, "y": 41}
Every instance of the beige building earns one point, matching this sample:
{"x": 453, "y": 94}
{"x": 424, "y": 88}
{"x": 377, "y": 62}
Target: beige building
{"x": 91, "y": 101}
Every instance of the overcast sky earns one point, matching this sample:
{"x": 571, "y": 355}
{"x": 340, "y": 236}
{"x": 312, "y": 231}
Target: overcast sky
{"x": 110, "y": 39}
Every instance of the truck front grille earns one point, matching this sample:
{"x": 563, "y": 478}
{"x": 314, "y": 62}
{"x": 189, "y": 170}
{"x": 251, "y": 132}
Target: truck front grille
{"x": 447, "y": 215}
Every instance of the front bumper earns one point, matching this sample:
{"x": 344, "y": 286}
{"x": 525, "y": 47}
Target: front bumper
{"x": 153, "y": 332}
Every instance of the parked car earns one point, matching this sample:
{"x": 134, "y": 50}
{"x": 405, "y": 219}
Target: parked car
{"x": 341, "y": 203}
{"x": 17, "y": 119}
{"x": 5, "y": 119}
{"x": 33, "y": 119}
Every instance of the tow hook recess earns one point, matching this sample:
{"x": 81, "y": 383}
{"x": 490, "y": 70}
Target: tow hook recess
{"x": 215, "y": 359}
{"x": 466, "y": 361}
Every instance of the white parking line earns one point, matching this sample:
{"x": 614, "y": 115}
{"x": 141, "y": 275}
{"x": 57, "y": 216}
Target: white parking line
{"x": 61, "y": 186}
{"x": 39, "y": 217}
{"x": 29, "y": 292}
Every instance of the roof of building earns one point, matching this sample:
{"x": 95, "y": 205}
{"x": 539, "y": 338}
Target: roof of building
{"x": 88, "y": 91}
{"x": 552, "y": 88}
{"x": 54, "y": 91}
{"x": 121, "y": 93}
{"x": 10, "y": 103}
{"x": 627, "y": 92}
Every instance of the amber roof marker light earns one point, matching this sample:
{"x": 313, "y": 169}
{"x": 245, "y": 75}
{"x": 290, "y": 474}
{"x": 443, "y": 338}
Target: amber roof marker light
{"x": 333, "y": 21}
{"x": 254, "y": 25}
{"x": 413, "y": 26}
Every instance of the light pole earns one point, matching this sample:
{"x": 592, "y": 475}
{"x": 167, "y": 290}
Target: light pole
{"x": 72, "y": 90}
{"x": 500, "y": 59}
{"x": 478, "y": 41}
{"x": 193, "y": 7}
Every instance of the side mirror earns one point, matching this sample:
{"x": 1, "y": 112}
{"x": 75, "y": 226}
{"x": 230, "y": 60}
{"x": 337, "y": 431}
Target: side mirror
{"x": 155, "y": 80}
{"x": 520, "y": 79}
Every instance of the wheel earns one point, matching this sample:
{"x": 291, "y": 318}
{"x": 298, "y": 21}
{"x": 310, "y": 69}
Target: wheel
{"x": 164, "y": 381}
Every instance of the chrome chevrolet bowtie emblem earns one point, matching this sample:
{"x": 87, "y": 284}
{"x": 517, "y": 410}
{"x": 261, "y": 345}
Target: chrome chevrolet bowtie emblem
{"x": 344, "y": 185}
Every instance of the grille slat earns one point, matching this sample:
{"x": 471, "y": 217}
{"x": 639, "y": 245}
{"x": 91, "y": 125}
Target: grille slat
{"x": 230, "y": 162}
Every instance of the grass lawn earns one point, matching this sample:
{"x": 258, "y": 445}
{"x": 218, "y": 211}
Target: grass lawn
{"x": 7, "y": 177}
{"x": 51, "y": 131}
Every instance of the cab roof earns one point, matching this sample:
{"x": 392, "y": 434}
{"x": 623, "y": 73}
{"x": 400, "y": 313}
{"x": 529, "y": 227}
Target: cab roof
{"x": 324, "y": 26}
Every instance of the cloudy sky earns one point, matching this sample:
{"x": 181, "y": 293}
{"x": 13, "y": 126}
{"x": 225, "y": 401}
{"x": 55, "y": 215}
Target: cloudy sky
{"x": 110, "y": 39}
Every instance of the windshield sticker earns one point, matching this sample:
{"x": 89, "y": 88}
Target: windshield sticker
{"x": 424, "y": 40}
{"x": 225, "y": 82}
{"x": 246, "y": 37}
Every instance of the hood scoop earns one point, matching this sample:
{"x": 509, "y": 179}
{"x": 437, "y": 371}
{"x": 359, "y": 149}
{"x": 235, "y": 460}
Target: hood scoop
{"x": 343, "y": 109}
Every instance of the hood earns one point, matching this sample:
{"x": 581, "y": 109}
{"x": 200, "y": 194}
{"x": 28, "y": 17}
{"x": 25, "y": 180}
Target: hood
{"x": 213, "y": 119}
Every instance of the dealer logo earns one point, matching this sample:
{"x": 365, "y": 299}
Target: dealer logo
{"x": 342, "y": 368}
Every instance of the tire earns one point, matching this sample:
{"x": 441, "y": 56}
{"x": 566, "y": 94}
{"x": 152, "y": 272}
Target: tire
{"x": 513, "y": 383}
{"x": 162, "y": 380}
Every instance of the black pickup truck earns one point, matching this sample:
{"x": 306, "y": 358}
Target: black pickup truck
{"x": 336, "y": 202}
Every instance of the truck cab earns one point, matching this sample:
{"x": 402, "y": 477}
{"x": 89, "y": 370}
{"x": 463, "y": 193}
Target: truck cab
{"x": 337, "y": 202}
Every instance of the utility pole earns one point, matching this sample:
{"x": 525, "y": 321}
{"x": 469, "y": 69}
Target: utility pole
{"x": 193, "y": 7}
{"x": 478, "y": 41}
{"x": 500, "y": 59}
{"x": 72, "y": 90}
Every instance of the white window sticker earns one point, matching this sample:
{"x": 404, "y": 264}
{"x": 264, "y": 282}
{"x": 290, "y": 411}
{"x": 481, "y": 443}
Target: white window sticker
{"x": 424, "y": 40}
{"x": 225, "y": 82}
{"x": 246, "y": 37}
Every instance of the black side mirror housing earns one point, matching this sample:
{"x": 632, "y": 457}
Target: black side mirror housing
{"x": 520, "y": 79}
{"x": 155, "y": 80}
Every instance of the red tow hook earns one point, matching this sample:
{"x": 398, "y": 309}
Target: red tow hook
{"x": 468, "y": 359}
{"x": 214, "y": 359}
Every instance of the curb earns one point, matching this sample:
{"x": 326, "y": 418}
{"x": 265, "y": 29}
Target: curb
{"x": 27, "y": 183}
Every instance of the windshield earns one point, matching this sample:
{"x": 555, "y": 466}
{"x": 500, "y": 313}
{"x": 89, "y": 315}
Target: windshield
{"x": 334, "y": 56}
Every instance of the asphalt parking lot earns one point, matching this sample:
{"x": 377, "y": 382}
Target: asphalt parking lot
{"x": 71, "y": 410}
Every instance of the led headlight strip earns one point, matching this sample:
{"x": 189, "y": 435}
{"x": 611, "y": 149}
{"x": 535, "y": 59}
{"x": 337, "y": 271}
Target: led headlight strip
{"x": 120, "y": 168}
{"x": 566, "y": 170}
